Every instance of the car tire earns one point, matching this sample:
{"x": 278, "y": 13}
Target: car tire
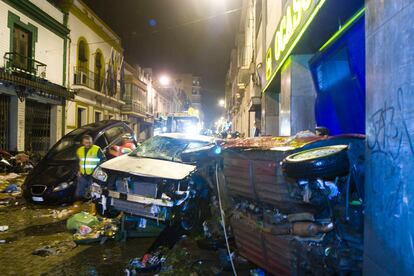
{"x": 322, "y": 162}
{"x": 191, "y": 216}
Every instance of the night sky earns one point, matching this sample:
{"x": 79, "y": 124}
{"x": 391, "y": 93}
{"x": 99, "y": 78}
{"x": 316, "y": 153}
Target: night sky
{"x": 177, "y": 36}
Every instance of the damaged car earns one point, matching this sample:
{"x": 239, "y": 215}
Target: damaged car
{"x": 165, "y": 179}
{"x": 54, "y": 179}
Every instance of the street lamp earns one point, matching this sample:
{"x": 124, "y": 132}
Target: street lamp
{"x": 221, "y": 102}
{"x": 164, "y": 80}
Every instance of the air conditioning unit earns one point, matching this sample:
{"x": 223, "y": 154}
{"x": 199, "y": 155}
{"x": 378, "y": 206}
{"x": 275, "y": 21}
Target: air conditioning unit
{"x": 80, "y": 78}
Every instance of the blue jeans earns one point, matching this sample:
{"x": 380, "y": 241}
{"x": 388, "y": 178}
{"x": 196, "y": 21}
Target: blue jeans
{"x": 84, "y": 182}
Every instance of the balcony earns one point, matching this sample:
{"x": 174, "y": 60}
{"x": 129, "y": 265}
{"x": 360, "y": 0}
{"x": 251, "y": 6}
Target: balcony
{"x": 88, "y": 78}
{"x": 133, "y": 107}
{"x": 28, "y": 76}
{"x": 23, "y": 65}
{"x": 88, "y": 83}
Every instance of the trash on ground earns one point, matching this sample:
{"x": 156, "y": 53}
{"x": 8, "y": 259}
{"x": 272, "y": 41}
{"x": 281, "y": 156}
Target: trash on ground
{"x": 4, "y": 228}
{"x": 83, "y": 218}
{"x": 10, "y": 176}
{"x": 90, "y": 229}
{"x": 84, "y": 229}
{"x": 11, "y": 188}
{"x": 148, "y": 262}
{"x": 54, "y": 248}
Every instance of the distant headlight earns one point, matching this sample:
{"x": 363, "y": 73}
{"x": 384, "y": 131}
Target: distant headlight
{"x": 62, "y": 186}
{"x": 100, "y": 175}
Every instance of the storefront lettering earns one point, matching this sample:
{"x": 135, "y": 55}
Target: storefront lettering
{"x": 296, "y": 13}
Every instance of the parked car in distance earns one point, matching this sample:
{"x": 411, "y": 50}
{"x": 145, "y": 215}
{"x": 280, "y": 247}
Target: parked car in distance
{"x": 164, "y": 179}
{"x": 54, "y": 179}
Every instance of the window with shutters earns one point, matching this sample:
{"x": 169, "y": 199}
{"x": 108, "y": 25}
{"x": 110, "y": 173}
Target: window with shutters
{"x": 21, "y": 48}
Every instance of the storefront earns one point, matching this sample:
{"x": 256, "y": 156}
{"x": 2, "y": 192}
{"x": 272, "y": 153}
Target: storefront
{"x": 31, "y": 112}
{"x": 315, "y": 68}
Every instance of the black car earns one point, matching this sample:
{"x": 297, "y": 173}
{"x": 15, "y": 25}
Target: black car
{"x": 54, "y": 179}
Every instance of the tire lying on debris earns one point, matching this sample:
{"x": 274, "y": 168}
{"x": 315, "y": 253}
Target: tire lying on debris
{"x": 323, "y": 162}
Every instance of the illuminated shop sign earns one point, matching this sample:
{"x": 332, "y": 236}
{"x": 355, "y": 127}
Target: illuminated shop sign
{"x": 297, "y": 16}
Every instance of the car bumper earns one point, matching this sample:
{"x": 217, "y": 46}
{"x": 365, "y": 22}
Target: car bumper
{"x": 49, "y": 196}
{"x": 157, "y": 209}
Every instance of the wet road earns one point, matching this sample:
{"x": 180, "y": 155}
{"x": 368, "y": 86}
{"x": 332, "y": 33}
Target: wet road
{"x": 31, "y": 227}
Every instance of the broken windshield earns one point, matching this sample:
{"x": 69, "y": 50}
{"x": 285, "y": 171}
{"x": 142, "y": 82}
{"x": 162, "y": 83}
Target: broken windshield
{"x": 165, "y": 148}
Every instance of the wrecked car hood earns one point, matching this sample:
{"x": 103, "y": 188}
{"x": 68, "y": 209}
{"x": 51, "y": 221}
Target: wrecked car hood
{"x": 148, "y": 167}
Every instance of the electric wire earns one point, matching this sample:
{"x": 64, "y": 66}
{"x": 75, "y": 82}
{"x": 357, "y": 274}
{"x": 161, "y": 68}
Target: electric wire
{"x": 224, "y": 223}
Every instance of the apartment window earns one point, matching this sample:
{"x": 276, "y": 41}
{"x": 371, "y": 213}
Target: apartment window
{"x": 99, "y": 70}
{"x": 195, "y": 92}
{"x": 82, "y": 117}
{"x": 98, "y": 116}
{"x": 21, "y": 46}
{"x": 83, "y": 53}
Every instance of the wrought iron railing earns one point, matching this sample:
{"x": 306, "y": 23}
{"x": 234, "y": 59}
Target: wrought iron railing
{"x": 17, "y": 63}
{"x": 133, "y": 105}
{"x": 85, "y": 77}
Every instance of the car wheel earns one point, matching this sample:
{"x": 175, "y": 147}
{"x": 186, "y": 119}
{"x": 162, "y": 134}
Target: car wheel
{"x": 323, "y": 162}
{"x": 191, "y": 216}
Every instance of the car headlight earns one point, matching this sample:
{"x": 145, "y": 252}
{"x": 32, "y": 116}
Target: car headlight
{"x": 100, "y": 174}
{"x": 62, "y": 186}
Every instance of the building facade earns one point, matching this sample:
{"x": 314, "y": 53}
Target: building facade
{"x": 136, "y": 108}
{"x": 190, "y": 85}
{"x": 95, "y": 68}
{"x": 241, "y": 90}
{"x": 281, "y": 72}
{"x": 33, "y": 74}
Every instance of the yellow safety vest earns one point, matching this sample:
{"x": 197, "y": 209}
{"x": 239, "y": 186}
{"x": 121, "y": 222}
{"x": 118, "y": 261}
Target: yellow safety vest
{"x": 89, "y": 162}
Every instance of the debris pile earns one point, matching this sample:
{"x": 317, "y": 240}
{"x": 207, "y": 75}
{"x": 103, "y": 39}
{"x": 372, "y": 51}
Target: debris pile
{"x": 10, "y": 188}
{"x": 54, "y": 248}
{"x": 91, "y": 229}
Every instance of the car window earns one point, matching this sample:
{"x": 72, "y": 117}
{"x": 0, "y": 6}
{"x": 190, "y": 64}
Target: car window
{"x": 122, "y": 145}
{"x": 113, "y": 133}
{"x": 101, "y": 142}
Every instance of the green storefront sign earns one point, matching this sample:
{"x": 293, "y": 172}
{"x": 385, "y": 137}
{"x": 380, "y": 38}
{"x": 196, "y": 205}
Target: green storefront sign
{"x": 297, "y": 16}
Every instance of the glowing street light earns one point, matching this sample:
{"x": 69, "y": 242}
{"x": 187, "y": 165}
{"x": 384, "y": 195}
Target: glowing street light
{"x": 221, "y": 102}
{"x": 164, "y": 80}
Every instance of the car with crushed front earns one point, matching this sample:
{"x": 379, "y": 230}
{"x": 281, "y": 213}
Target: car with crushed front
{"x": 167, "y": 178}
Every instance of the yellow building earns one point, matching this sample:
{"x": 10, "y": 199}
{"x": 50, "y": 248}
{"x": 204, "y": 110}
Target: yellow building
{"x": 94, "y": 68}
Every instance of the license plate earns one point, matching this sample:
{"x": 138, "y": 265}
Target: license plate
{"x": 37, "y": 198}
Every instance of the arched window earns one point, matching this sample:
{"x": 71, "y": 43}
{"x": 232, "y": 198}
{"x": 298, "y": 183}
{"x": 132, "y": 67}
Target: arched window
{"x": 99, "y": 70}
{"x": 83, "y": 56}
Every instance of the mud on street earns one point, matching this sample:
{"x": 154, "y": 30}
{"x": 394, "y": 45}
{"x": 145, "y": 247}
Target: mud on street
{"x": 31, "y": 227}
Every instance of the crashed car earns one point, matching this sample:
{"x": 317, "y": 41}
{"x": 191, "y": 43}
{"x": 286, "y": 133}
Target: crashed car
{"x": 164, "y": 179}
{"x": 54, "y": 179}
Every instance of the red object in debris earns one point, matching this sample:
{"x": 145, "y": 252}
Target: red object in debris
{"x": 145, "y": 258}
{"x": 127, "y": 147}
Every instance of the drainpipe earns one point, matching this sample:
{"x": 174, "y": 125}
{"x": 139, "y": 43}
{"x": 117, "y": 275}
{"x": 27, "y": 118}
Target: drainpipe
{"x": 66, "y": 67}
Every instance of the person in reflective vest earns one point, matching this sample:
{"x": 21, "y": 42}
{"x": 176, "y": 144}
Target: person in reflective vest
{"x": 90, "y": 157}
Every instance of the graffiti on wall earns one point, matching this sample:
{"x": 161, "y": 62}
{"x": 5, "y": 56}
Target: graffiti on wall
{"x": 389, "y": 129}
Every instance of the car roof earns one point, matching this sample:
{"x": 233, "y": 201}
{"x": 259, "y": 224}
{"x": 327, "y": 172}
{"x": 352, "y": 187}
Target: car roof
{"x": 190, "y": 137}
{"x": 95, "y": 128}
